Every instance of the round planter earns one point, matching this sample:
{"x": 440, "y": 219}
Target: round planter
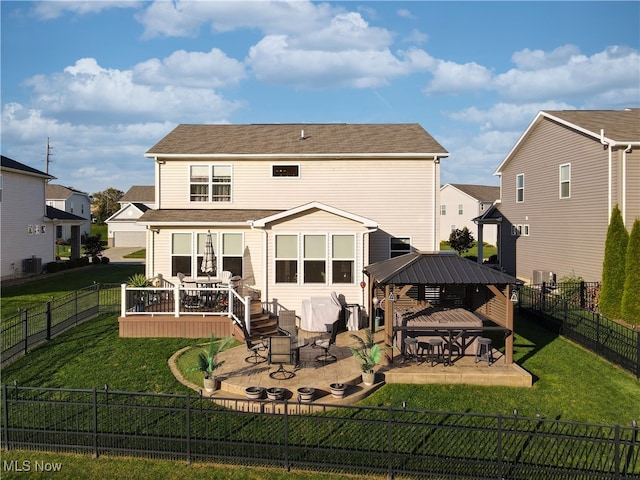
{"x": 337, "y": 390}
{"x": 275, "y": 393}
{"x": 305, "y": 394}
{"x": 210, "y": 384}
{"x": 254, "y": 393}
{"x": 368, "y": 378}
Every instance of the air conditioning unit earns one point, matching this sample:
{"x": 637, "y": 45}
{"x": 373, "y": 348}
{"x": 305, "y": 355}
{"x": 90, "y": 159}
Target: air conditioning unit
{"x": 543, "y": 276}
{"x": 32, "y": 265}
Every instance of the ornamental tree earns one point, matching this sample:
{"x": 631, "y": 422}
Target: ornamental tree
{"x": 630, "y": 308}
{"x": 613, "y": 266}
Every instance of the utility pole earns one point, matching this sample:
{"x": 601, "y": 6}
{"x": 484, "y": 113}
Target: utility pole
{"x": 47, "y": 157}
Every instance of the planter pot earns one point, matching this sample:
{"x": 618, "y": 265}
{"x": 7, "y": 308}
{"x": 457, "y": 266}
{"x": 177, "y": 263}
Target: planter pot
{"x": 254, "y": 393}
{"x": 210, "y": 384}
{"x": 368, "y": 378}
{"x": 305, "y": 394}
{"x": 275, "y": 393}
{"x": 337, "y": 390}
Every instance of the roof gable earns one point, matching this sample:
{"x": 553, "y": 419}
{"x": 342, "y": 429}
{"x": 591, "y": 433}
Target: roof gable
{"x": 298, "y": 139}
{"x": 313, "y": 206}
{"x": 60, "y": 192}
{"x": 53, "y": 213}
{"x": 7, "y": 163}
{"x": 139, "y": 194}
{"x": 482, "y": 193}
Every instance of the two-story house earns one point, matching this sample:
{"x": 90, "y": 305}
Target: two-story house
{"x": 123, "y": 227}
{"x": 73, "y": 201}
{"x": 296, "y": 210}
{"x": 27, "y": 223}
{"x": 559, "y": 185}
{"x": 461, "y": 203}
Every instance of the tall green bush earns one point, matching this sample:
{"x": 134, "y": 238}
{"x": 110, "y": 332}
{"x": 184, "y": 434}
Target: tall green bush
{"x": 631, "y": 296}
{"x": 613, "y": 267}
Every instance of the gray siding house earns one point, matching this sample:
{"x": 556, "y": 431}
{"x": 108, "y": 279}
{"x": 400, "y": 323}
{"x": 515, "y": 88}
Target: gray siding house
{"x": 559, "y": 185}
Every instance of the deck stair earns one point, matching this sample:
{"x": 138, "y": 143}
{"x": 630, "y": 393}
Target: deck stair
{"x": 263, "y": 323}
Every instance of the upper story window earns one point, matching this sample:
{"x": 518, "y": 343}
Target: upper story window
{"x": 285, "y": 171}
{"x": 565, "y": 180}
{"x": 460, "y": 209}
{"x": 210, "y": 183}
{"x": 520, "y": 188}
{"x": 443, "y": 209}
{"x": 399, "y": 246}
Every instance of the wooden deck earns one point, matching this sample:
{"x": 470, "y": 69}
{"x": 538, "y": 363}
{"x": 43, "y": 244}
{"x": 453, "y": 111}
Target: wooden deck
{"x": 170, "y": 326}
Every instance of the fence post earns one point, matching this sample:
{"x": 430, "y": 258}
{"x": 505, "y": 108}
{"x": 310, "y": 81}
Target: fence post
{"x": 75, "y": 305}
{"x": 390, "y": 441}
{"x": 616, "y": 451}
{"x": 637, "y": 352}
{"x": 286, "y": 436}
{"x": 25, "y": 330}
{"x": 5, "y": 416}
{"x": 95, "y": 423}
{"x": 49, "y": 320}
{"x": 542, "y": 292}
{"x": 188, "y": 429}
{"x": 499, "y": 448}
{"x": 582, "y": 294}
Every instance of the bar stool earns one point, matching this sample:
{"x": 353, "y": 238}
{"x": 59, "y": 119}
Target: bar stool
{"x": 435, "y": 351}
{"x": 484, "y": 351}
{"x": 410, "y": 349}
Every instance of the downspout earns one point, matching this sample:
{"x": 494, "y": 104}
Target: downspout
{"x": 624, "y": 182}
{"x": 610, "y": 174}
{"x": 265, "y": 266}
{"x": 368, "y": 261}
{"x": 436, "y": 191}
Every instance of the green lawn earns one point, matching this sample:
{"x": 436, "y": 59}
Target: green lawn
{"x": 487, "y": 250}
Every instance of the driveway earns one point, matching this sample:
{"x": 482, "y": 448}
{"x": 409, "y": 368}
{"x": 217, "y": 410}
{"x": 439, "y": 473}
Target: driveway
{"x": 116, "y": 254}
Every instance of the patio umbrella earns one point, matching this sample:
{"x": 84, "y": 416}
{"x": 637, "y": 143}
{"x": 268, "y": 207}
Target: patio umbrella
{"x": 209, "y": 260}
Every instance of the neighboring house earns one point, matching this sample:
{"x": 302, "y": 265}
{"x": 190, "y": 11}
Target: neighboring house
{"x": 460, "y": 204}
{"x": 559, "y": 185}
{"x": 123, "y": 229}
{"x": 27, "y": 223}
{"x": 71, "y": 201}
{"x": 297, "y": 210}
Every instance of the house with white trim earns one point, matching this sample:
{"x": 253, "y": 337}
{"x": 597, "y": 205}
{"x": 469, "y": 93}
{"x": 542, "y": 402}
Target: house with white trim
{"x": 296, "y": 210}
{"x": 559, "y": 184}
{"x": 71, "y": 200}
{"x": 123, "y": 229}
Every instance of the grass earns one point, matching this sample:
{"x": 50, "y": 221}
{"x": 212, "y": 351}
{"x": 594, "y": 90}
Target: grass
{"x": 137, "y": 254}
{"x": 487, "y": 250}
{"x": 570, "y": 384}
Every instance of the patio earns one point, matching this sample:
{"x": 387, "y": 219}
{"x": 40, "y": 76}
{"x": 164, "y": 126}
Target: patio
{"x": 236, "y": 374}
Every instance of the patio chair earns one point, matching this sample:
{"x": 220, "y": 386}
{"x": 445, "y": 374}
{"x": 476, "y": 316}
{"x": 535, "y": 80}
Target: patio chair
{"x": 325, "y": 344}
{"x": 191, "y": 297}
{"x": 254, "y": 347}
{"x": 280, "y": 352}
{"x": 287, "y": 323}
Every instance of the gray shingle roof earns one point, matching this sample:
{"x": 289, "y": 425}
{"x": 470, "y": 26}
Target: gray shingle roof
{"x": 204, "y": 216}
{"x": 140, "y": 193}
{"x": 9, "y": 163}
{"x": 334, "y": 138}
{"x": 484, "y": 193}
{"x": 57, "y": 214}
{"x": 618, "y": 125}
{"x": 435, "y": 269}
{"x": 60, "y": 192}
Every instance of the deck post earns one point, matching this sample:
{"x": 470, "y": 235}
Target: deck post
{"x": 123, "y": 299}
{"x": 247, "y": 313}
{"x": 176, "y": 300}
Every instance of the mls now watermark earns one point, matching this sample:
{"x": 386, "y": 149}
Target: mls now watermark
{"x": 29, "y": 466}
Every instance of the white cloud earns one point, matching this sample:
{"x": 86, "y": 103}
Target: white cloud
{"x": 505, "y": 115}
{"x": 49, "y": 10}
{"x": 212, "y": 69}
{"x": 406, "y": 13}
{"x": 453, "y": 78}
{"x": 416, "y": 37}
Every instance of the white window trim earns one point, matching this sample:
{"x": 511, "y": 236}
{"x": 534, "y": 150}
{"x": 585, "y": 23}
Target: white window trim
{"x": 560, "y": 182}
{"x": 520, "y": 188}
{"x": 332, "y": 258}
{"x": 210, "y": 183}
{"x": 460, "y": 209}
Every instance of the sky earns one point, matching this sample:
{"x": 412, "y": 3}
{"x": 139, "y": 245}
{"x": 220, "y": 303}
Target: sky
{"x": 104, "y": 81}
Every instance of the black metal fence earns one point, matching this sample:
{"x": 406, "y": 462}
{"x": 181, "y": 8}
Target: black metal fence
{"x": 349, "y": 439}
{"x": 568, "y": 309}
{"x": 31, "y": 326}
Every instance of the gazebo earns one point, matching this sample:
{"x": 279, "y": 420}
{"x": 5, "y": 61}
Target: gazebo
{"x": 446, "y": 280}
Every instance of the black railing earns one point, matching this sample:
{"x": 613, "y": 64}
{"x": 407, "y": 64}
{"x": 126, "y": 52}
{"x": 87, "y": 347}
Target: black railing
{"x": 561, "y": 309}
{"x": 350, "y": 439}
{"x": 31, "y": 326}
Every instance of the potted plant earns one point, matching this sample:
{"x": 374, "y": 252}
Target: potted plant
{"x": 368, "y": 353}
{"x": 337, "y": 389}
{"x": 138, "y": 280}
{"x": 208, "y": 363}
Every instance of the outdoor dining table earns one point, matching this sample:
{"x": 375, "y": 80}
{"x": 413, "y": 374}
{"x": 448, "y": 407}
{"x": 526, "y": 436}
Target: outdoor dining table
{"x": 209, "y": 295}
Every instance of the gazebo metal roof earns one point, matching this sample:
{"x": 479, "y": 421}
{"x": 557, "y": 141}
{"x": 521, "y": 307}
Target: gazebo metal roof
{"x": 435, "y": 268}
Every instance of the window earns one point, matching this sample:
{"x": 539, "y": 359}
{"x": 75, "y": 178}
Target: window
{"x": 525, "y": 230}
{"x": 181, "y": 254}
{"x": 514, "y": 230}
{"x": 343, "y": 258}
{"x": 452, "y": 229}
{"x": 210, "y": 183}
{"x": 315, "y": 254}
{"x": 399, "y": 246}
{"x": 460, "y": 209}
{"x": 520, "y": 188}
{"x": 285, "y": 171}
{"x": 58, "y": 232}
{"x": 565, "y": 180}
{"x": 232, "y": 251}
{"x": 443, "y": 209}
{"x": 286, "y": 258}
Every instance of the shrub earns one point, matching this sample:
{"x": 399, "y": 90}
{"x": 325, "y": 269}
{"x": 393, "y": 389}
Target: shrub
{"x": 105, "y": 260}
{"x": 53, "y": 267}
{"x": 613, "y": 267}
{"x": 630, "y": 307}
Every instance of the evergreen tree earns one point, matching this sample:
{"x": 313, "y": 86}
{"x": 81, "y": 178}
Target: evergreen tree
{"x": 613, "y": 267}
{"x": 631, "y": 295}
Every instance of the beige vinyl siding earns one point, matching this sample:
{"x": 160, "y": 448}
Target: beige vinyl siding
{"x": 566, "y": 235}
{"x": 290, "y": 296}
{"x": 452, "y": 198}
{"x": 397, "y": 193}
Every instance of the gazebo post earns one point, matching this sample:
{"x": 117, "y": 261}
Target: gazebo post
{"x": 388, "y": 323}
{"x": 508, "y": 347}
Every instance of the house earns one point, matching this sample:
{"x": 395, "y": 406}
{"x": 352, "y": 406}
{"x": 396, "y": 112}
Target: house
{"x": 123, "y": 229}
{"x": 73, "y": 201}
{"x": 27, "y": 223}
{"x": 461, "y": 203}
{"x": 296, "y": 210}
{"x": 559, "y": 185}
